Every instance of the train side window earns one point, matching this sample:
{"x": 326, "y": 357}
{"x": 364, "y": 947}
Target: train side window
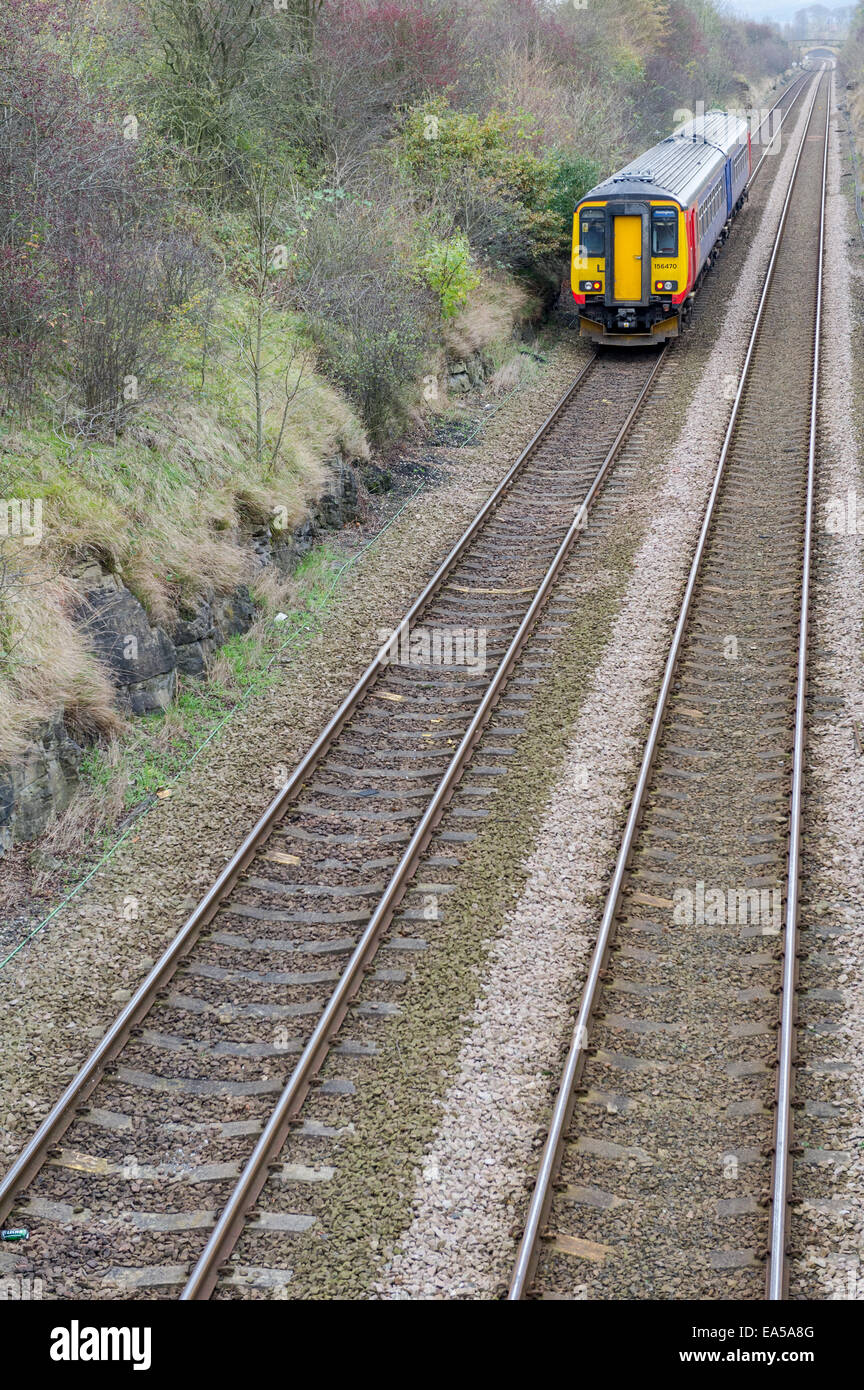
{"x": 593, "y": 232}
{"x": 664, "y": 232}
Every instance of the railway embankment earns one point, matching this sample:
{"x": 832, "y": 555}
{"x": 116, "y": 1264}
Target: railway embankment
{"x": 143, "y": 611}
{"x": 96, "y": 947}
{"x": 368, "y": 1127}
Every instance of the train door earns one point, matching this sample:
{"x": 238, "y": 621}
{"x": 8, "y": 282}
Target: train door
{"x": 728, "y": 187}
{"x": 692, "y": 249}
{"x": 628, "y": 258}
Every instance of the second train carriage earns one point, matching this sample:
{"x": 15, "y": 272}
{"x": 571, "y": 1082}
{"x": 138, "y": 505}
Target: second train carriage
{"x": 643, "y": 240}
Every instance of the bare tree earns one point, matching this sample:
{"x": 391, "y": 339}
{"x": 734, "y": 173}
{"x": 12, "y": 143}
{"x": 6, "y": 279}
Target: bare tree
{"x": 356, "y": 284}
{"x": 208, "y": 40}
{"x": 268, "y": 257}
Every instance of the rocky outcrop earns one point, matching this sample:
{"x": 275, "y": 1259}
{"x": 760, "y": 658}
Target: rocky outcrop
{"x": 335, "y": 508}
{"x": 206, "y": 627}
{"x": 467, "y": 372}
{"x": 39, "y": 784}
{"x": 145, "y": 660}
{"x": 141, "y": 659}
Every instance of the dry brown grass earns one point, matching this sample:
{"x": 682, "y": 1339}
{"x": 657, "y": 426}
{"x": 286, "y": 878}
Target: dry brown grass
{"x": 92, "y": 813}
{"x": 44, "y": 665}
{"x": 189, "y": 562}
{"x": 492, "y": 313}
{"x": 574, "y": 117}
{"x": 275, "y": 591}
{"x": 508, "y": 376}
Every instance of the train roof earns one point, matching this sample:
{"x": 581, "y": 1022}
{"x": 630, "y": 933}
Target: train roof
{"x": 721, "y": 128}
{"x": 681, "y": 164}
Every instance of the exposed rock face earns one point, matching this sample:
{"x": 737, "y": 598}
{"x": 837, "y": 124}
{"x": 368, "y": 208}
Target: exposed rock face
{"x": 466, "y": 373}
{"x": 194, "y": 637}
{"x": 142, "y": 659}
{"x": 202, "y": 630}
{"x": 336, "y": 506}
{"x": 39, "y": 784}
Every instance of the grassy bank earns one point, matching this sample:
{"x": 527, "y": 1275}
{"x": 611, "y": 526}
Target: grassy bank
{"x": 239, "y": 242}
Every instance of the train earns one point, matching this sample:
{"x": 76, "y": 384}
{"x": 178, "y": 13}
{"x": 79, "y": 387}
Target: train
{"x": 644, "y": 239}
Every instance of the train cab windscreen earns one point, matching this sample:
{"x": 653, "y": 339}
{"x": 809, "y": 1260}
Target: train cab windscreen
{"x": 664, "y": 232}
{"x": 593, "y": 232}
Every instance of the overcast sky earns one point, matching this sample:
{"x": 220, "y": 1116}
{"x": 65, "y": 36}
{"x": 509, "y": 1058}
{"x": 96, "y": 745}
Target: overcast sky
{"x": 783, "y": 10}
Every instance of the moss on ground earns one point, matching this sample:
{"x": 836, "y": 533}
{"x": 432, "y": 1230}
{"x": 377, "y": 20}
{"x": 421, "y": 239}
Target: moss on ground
{"x": 368, "y": 1203}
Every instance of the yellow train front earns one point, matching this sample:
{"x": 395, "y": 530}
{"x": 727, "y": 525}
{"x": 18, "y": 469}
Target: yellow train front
{"x": 644, "y": 239}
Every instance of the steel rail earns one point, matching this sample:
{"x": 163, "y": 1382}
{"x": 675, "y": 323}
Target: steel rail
{"x": 32, "y": 1157}
{"x": 233, "y": 1216}
{"x": 800, "y": 83}
{"x": 57, "y": 1121}
{"x": 777, "y": 1271}
{"x": 541, "y": 1196}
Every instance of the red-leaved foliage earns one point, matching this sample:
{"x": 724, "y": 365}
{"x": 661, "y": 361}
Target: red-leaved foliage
{"x": 64, "y": 171}
{"x": 532, "y": 26}
{"x": 78, "y": 214}
{"x": 404, "y": 48}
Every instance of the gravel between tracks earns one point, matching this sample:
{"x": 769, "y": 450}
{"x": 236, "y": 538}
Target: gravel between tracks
{"x": 473, "y": 1177}
{"x": 831, "y": 1263}
{"x": 63, "y": 989}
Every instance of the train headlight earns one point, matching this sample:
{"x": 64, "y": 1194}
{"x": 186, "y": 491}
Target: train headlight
{"x": 590, "y": 285}
{"x": 666, "y": 285}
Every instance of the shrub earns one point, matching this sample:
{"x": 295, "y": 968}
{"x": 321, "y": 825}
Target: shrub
{"x": 87, "y": 269}
{"x": 237, "y": 86}
{"x": 446, "y": 267}
{"x": 122, "y": 285}
{"x": 372, "y": 323}
{"x": 573, "y": 178}
{"x": 24, "y": 319}
{"x": 487, "y": 171}
{"x": 514, "y": 204}
{"x": 403, "y": 49}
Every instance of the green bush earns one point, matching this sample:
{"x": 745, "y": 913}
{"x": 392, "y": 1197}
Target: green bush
{"x": 514, "y": 204}
{"x": 446, "y": 267}
{"x": 572, "y": 180}
{"x": 354, "y": 282}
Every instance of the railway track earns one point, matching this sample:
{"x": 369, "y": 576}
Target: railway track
{"x": 173, "y": 1126}
{"x": 666, "y": 1169}
{"x": 190, "y": 1095}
